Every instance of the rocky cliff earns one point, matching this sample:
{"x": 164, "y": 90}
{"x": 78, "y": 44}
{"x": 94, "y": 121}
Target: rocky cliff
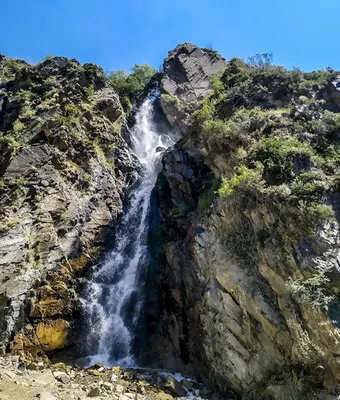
{"x": 249, "y": 204}
{"x": 244, "y": 291}
{"x": 64, "y": 173}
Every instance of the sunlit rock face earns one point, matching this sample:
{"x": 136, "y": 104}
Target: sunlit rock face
{"x": 236, "y": 274}
{"x": 188, "y": 70}
{"x": 65, "y": 169}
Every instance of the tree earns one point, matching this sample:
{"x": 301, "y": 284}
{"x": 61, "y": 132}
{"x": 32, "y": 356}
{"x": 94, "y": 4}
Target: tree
{"x": 261, "y": 60}
{"x": 135, "y": 86}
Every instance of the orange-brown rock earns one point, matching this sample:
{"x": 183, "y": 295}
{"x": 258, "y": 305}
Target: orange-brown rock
{"x": 53, "y": 335}
{"x": 51, "y": 301}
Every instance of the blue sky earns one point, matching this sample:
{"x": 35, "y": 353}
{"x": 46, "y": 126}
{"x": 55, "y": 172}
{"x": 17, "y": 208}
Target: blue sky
{"x": 117, "y": 34}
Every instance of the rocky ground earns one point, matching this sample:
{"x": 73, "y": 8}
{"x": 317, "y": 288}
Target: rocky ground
{"x": 63, "y": 382}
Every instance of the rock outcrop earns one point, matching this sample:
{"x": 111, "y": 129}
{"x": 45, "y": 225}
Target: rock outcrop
{"x": 250, "y": 287}
{"x": 64, "y": 172}
{"x": 188, "y": 70}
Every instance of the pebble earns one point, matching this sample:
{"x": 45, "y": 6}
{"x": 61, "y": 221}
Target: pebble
{"x": 62, "y": 377}
{"x": 44, "y": 378}
{"x": 120, "y": 389}
{"x": 72, "y": 374}
{"x": 108, "y": 386}
{"x": 94, "y": 392}
{"x": 46, "y": 396}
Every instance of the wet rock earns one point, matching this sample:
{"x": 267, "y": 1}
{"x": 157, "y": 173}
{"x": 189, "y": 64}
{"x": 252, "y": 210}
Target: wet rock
{"x": 175, "y": 387}
{"x": 62, "y": 194}
{"x": 187, "y": 384}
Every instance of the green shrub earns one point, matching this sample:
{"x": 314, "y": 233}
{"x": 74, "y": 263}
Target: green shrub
{"x": 318, "y": 214}
{"x": 243, "y": 124}
{"x": 18, "y": 127}
{"x": 309, "y": 187}
{"x": 238, "y": 237}
{"x": 245, "y": 182}
{"x": 25, "y": 97}
{"x": 179, "y": 212}
{"x": 101, "y": 155}
{"x": 261, "y": 60}
{"x": 206, "y": 198}
{"x": 313, "y": 291}
{"x": 10, "y": 66}
{"x": 279, "y": 154}
{"x": 205, "y": 113}
{"x": 216, "y": 127}
{"x": 133, "y": 86}
{"x": 71, "y": 110}
{"x": 89, "y": 90}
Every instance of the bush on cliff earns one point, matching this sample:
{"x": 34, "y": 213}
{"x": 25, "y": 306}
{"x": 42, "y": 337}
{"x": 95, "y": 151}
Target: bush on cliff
{"x": 133, "y": 87}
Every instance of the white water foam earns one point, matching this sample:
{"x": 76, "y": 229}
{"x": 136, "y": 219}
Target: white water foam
{"x": 113, "y": 299}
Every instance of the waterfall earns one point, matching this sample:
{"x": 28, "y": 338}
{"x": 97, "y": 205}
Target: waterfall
{"x": 113, "y": 298}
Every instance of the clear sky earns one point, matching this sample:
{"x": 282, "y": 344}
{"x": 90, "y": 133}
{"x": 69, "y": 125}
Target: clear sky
{"x": 117, "y": 34}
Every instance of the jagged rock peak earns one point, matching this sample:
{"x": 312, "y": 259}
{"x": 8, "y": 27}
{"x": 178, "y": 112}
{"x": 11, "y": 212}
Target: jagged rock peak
{"x": 190, "y": 67}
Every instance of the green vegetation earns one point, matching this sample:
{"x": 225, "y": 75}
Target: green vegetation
{"x": 71, "y": 110}
{"x": 246, "y": 183}
{"x": 101, "y": 154}
{"x": 7, "y": 224}
{"x": 313, "y": 291}
{"x": 179, "y": 212}
{"x": 134, "y": 86}
{"x": 18, "y": 127}
{"x": 206, "y": 198}
{"x": 10, "y": 66}
{"x": 49, "y": 57}
{"x": 282, "y": 145}
{"x": 261, "y": 60}
{"x": 279, "y": 155}
{"x": 25, "y": 97}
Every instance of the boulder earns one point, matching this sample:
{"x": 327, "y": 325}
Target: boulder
{"x": 62, "y": 377}
{"x": 44, "y": 378}
{"x": 175, "y": 387}
{"x": 46, "y": 396}
{"x": 53, "y": 334}
{"x": 94, "y": 392}
{"x": 188, "y": 70}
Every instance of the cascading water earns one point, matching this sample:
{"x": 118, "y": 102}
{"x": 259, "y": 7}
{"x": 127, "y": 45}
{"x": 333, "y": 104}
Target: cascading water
{"x": 113, "y": 298}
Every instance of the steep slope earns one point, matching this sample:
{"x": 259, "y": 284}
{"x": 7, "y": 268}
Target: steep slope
{"x": 249, "y": 204}
{"x": 64, "y": 173}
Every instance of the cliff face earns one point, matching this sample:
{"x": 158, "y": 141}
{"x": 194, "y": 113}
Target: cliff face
{"x": 249, "y": 203}
{"x": 245, "y": 216}
{"x": 186, "y": 81}
{"x": 64, "y": 172}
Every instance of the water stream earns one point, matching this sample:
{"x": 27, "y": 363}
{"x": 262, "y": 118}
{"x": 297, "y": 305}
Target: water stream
{"x": 113, "y": 298}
